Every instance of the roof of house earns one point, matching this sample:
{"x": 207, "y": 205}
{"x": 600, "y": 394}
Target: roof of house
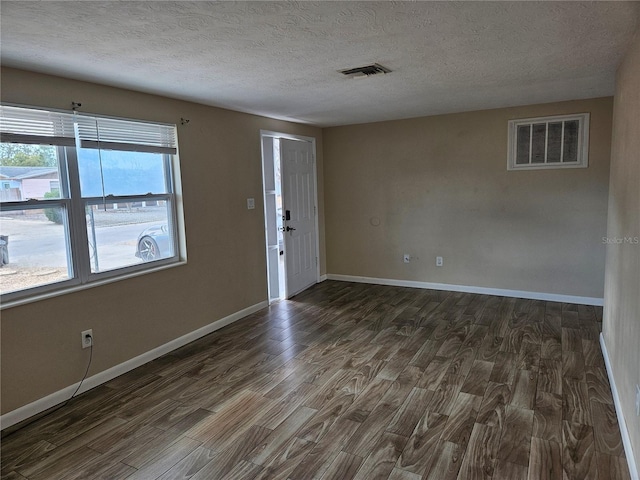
{"x": 19, "y": 173}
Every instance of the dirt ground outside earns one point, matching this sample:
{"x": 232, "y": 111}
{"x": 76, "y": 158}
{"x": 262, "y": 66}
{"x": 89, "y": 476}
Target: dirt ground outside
{"x": 12, "y": 279}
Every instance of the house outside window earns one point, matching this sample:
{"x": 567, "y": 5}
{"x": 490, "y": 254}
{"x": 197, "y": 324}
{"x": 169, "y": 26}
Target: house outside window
{"x": 90, "y": 199}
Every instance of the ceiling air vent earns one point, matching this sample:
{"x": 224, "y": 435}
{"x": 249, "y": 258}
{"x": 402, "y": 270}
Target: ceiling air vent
{"x": 366, "y": 71}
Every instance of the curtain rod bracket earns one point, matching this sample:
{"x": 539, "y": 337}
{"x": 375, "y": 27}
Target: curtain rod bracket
{"x": 184, "y": 121}
{"x": 75, "y": 106}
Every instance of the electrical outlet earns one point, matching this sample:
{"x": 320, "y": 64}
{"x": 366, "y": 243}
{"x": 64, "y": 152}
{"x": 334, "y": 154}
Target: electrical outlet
{"x": 406, "y": 258}
{"x": 439, "y": 261}
{"x": 638, "y": 400}
{"x": 87, "y": 338}
{"x": 251, "y": 203}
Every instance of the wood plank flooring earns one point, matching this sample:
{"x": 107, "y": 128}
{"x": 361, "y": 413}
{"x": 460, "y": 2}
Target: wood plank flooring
{"x": 351, "y": 381}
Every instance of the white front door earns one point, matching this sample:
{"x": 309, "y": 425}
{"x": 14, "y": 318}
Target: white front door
{"x": 299, "y": 212}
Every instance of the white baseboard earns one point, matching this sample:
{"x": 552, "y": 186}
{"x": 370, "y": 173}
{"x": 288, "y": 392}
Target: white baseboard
{"x": 552, "y": 297}
{"x": 626, "y": 440}
{"x": 322, "y": 278}
{"x": 34, "y": 408}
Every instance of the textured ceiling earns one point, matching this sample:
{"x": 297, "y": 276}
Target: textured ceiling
{"x": 280, "y": 59}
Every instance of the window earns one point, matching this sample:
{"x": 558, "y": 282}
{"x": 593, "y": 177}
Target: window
{"x": 549, "y": 142}
{"x": 91, "y": 198}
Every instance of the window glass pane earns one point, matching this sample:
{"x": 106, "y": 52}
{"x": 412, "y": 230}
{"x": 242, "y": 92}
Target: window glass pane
{"x": 570, "y": 141}
{"x": 538, "y": 144}
{"x": 554, "y": 142}
{"x": 124, "y": 234}
{"x": 123, "y": 173}
{"x": 522, "y": 154}
{"x": 29, "y": 171}
{"x": 33, "y": 247}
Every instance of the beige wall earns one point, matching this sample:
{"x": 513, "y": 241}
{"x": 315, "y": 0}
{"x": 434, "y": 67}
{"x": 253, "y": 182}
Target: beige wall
{"x": 621, "y": 323}
{"x": 440, "y": 186}
{"x": 226, "y": 270}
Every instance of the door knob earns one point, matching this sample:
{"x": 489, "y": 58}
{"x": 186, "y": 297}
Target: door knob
{"x": 288, "y": 229}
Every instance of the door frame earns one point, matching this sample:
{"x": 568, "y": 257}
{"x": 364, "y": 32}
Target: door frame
{"x": 312, "y": 141}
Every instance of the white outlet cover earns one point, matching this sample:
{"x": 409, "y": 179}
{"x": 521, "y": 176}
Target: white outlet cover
{"x": 86, "y": 343}
{"x": 251, "y": 203}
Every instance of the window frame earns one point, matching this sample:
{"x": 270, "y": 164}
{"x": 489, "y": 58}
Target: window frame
{"x": 582, "y": 157}
{"x": 75, "y": 223}
{"x": 171, "y": 226}
{"x": 72, "y": 268}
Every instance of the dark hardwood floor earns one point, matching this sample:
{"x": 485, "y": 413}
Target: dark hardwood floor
{"x": 351, "y": 381}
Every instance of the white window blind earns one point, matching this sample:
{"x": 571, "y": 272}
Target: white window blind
{"x": 116, "y": 134}
{"x": 30, "y": 126}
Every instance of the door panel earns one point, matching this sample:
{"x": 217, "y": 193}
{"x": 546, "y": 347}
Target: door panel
{"x": 299, "y": 198}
